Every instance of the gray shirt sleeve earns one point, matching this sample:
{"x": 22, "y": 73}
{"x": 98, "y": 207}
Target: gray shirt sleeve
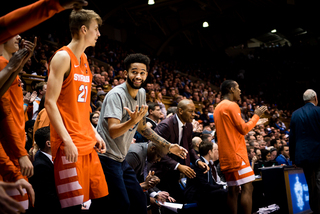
{"x": 114, "y": 106}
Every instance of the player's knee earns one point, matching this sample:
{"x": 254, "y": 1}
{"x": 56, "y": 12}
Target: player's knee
{"x": 247, "y": 188}
{"x": 233, "y": 190}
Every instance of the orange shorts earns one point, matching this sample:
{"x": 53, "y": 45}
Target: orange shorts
{"x": 23, "y": 200}
{"x": 78, "y": 182}
{"x": 244, "y": 175}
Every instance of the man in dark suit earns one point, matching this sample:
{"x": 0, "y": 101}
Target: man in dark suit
{"x": 304, "y": 141}
{"x": 46, "y": 200}
{"x": 177, "y": 129}
{"x": 206, "y": 189}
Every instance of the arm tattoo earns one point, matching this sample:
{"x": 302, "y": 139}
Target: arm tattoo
{"x": 144, "y": 121}
{"x": 151, "y": 135}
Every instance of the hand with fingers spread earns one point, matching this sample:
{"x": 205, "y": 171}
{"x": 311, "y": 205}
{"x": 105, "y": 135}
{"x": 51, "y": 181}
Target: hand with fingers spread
{"x": 262, "y": 121}
{"x": 137, "y": 115}
{"x": 260, "y": 110}
{"x": 33, "y": 96}
{"x": 30, "y": 47}
{"x": 16, "y": 60}
{"x": 178, "y": 150}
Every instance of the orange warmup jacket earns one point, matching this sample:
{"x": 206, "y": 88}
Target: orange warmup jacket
{"x": 12, "y": 120}
{"x": 230, "y": 130}
{"x": 12, "y": 135}
{"x": 27, "y": 17}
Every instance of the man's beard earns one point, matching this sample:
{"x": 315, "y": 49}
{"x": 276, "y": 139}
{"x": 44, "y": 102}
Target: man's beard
{"x": 143, "y": 83}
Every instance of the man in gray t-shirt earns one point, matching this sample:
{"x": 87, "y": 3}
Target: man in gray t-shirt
{"x": 113, "y": 107}
{"x": 123, "y": 113}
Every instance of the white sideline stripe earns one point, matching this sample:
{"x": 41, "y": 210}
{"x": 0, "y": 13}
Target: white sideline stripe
{"x": 15, "y": 192}
{"x": 65, "y": 161}
{"x": 241, "y": 181}
{"x": 68, "y": 187}
{"x": 24, "y": 204}
{"x": 67, "y": 173}
{"x": 245, "y": 170}
{"x": 69, "y": 202}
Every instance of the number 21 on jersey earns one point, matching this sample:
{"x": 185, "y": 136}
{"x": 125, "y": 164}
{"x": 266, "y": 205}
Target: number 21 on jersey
{"x": 82, "y": 97}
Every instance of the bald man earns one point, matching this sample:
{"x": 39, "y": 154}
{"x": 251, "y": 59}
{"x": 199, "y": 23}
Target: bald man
{"x": 196, "y": 142}
{"x": 177, "y": 129}
{"x": 304, "y": 141}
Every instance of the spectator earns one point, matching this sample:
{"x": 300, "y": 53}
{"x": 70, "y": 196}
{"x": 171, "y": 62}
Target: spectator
{"x": 121, "y": 119}
{"x": 265, "y": 155}
{"x": 99, "y": 88}
{"x": 94, "y": 117}
{"x": 205, "y": 117}
{"x": 258, "y": 153}
{"x": 273, "y": 153}
{"x": 304, "y": 144}
{"x": 43, "y": 178}
{"x": 42, "y": 120}
{"x": 283, "y": 157}
{"x": 205, "y": 189}
{"x": 251, "y": 153}
{"x": 29, "y": 134}
{"x": 93, "y": 101}
{"x": 29, "y": 67}
{"x": 276, "y": 143}
{"x": 140, "y": 157}
{"x": 151, "y": 96}
{"x": 152, "y": 120}
{"x": 162, "y": 106}
{"x": 171, "y": 111}
{"x": 41, "y": 89}
{"x": 101, "y": 95}
{"x": 164, "y": 92}
{"x": 177, "y": 128}
{"x": 195, "y": 143}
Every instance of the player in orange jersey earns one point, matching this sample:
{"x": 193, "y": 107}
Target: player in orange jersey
{"x": 230, "y": 130}
{"x": 78, "y": 172}
{"x": 24, "y": 18}
{"x": 14, "y": 156}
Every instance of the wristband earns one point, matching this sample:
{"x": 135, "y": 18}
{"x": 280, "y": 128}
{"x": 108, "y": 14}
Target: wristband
{"x": 25, "y": 104}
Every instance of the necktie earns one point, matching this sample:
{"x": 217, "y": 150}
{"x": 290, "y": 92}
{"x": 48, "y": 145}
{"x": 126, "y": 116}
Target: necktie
{"x": 214, "y": 173}
{"x": 145, "y": 171}
{"x": 210, "y": 176}
{"x": 184, "y": 144}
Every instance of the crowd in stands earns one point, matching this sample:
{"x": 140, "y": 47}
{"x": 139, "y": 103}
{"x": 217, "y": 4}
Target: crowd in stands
{"x": 173, "y": 82}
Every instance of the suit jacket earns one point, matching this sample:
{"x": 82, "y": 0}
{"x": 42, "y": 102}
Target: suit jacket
{"x": 169, "y": 130}
{"x": 136, "y": 158}
{"x": 304, "y": 137}
{"x": 199, "y": 187}
{"x": 44, "y": 185}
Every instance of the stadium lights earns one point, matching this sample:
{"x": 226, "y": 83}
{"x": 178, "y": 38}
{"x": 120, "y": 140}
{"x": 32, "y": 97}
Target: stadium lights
{"x": 205, "y": 24}
{"x": 150, "y": 2}
{"x": 274, "y": 31}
